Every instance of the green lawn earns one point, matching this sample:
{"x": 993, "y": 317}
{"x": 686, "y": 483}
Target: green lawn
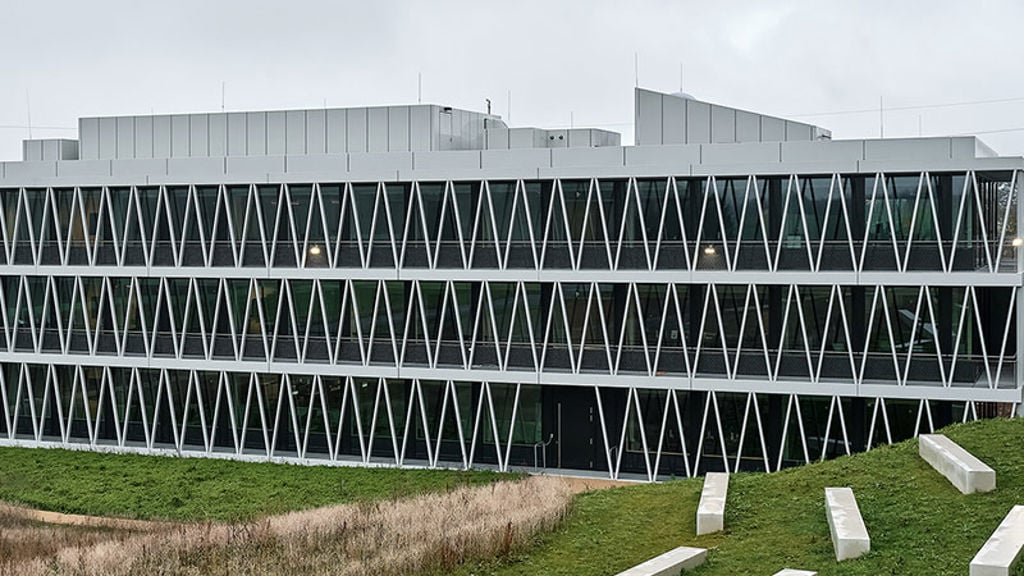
{"x": 193, "y": 488}
{"x": 918, "y": 522}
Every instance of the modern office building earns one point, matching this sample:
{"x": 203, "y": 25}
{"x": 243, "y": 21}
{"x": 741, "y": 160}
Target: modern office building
{"x": 425, "y": 286}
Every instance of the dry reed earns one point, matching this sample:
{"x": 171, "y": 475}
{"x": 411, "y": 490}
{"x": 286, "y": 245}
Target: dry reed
{"x": 423, "y": 533}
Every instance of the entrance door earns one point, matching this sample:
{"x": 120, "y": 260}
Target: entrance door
{"x": 574, "y": 424}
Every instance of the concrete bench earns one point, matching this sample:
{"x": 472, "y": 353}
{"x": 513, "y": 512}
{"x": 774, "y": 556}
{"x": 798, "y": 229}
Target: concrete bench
{"x": 791, "y": 572}
{"x": 671, "y": 563}
{"x": 711, "y": 510}
{"x": 962, "y": 469}
{"x": 1003, "y": 548}
{"x": 849, "y": 535}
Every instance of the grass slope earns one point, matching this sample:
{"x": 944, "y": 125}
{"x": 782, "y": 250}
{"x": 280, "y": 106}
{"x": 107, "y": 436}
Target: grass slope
{"x": 918, "y": 522}
{"x": 194, "y": 489}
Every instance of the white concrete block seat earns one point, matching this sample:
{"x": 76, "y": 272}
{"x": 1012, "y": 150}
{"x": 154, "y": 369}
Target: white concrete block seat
{"x": 849, "y": 534}
{"x": 671, "y": 563}
{"x": 963, "y": 469}
{"x": 1000, "y": 554}
{"x": 711, "y": 509}
{"x": 791, "y": 572}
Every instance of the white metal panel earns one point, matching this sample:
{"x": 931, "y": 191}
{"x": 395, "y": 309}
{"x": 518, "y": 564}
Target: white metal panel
{"x": 420, "y": 131}
{"x": 218, "y": 126}
{"x": 649, "y": 117}
{"x": 32, "y": 150}
{"x": 138, "y": 168}
{"x": 377, "y": 130}
{"x": 180, "y": 138}
{"x": 909, "y": 149}
{"x": 277, "y": 129}
{"x": 256, "y": 133}
{"x": 193, "y": 169}
{"x": 83, "y": 168}
{"x": 316, "y": 132}
{"x": 745, "y": 153}
{"x": 199, "y": 135}
{"x": 50, "y": 150}
{"x": 69, "y": 150}
{"x": 125, "y": 137}
{"x": 497, "y": 139}
{"x": 89, "y": 135}
{"x": 677, "y": 155}
{"x": 398, "y": 129}
{"x": 798, "y": 131}
{"x": 723, "y": 124}
{"x": 748, "y": 126}
{"x": 337, "y": 132}
{"x": 144, "y": 137}
{"x": 365, "y": 163}
{"x": 108, "y": 138}
{"x": 698, "y": 122}
{"x": 581, "y": 138}
{"x": 326, "y": 167}
{"x": 295, "y": 132}
{"x": 673, "y": 121}
{"x": 237, "y": 140}
{"x": 823, "y": 151}
{"x": 526, "y": 159}
{"x": 772, "y": 129}
{"x": 161, "y": 136}
{"x": 609, "y": 156}
{"x": 254, "y": 168}
{"x": 356, "y": 130}
{"x": 455, "y": 159}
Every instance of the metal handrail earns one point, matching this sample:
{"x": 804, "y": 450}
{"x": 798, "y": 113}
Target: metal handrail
{"x": 544, "y": 452}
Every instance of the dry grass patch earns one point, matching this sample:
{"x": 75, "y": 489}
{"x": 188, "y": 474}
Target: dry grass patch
{"x": 423, "y": 533}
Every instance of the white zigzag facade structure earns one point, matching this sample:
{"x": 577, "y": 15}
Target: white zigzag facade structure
{"x": 421, "y": 286}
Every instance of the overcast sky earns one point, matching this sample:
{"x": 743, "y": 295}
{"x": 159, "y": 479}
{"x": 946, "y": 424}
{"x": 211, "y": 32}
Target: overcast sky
{"x": 561, "y": 60}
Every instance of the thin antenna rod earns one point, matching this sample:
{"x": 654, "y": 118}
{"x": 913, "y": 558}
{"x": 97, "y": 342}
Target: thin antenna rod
{"x": 223, "y": 92}
{"x": 636, "y": 69}
{"x": 28, "y": 110}
{"x": 572, "y": 120}
{"x": 508, "y": 115}
{"x": 419, "y": 88}
{"x": 680, "y": 76}
{"x": 920, "y": 126}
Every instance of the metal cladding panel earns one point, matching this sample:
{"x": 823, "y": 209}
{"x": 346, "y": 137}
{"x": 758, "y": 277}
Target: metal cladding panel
{"x": 237, "y": 141}
{"x": 610, "y": 156}
{"x": 772, "y": 129}
{"x": 398, "y": 129}
{"x": 526, "y": 160}
{"x": 199, "y": 135}
{"x": 743, "y": 153}
{"x": 316, "y": 132}
{"x": 673, "y": 121}
{"x": 277, "y": 132}
{"x": 161, "y": 136}
{"x": 324, "y": 166}
{"x": 910, "y": 149}
{"x": 377, "y": 130}
{"x": 49, "y": 150}
{"x": 679, "y": 156}
{"x": 368, "y": 163}
{"x": 798, "y": 131}
{"x": 83, "y": 168}
{"x": 68, "y": 150}
{"x": 723, "y": 124}
{"x": 649, "y": 117}
{"x": 125, "y": 137}
{"x": 698, "y": 122}
{"x": 195, "y": 169}
{"x": 108, "y": 138}
{"x": 337, "y": 132}
{"x": 29, "y": 172}
{"x": 581, "y": 138}
{"x": 356, "y": 130}
{"x": 823, "y": 151}
{"x": 455, "y": 160}
{"x": 180, "y": 137}
{"x": 138, "y": 168}
{"x": 419, "y": 128}
{"x": 497, "y": 139}
{"x": 89, "y": 134}
{"x": 218, "y": 125}
{"x": 254, "y": 167}
{"x": 32, "y": 150}
{"x": 256, "y": 133}
{"x": 748, "y": 126}
{"x": 144, "y": 137}
{"x": 295, "y": 132}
